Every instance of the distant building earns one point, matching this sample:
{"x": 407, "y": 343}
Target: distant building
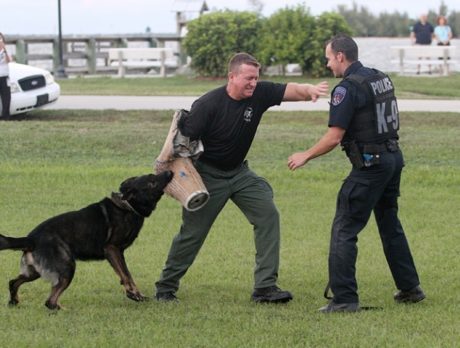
{"x": 187, "y": 10}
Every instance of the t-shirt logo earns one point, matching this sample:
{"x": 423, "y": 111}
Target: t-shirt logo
{"x": 338, "y": 96}
{"x": 248, "y": 114}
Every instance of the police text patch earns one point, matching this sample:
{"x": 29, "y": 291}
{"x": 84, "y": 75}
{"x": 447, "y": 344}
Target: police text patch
{"x": 338, "y": 96}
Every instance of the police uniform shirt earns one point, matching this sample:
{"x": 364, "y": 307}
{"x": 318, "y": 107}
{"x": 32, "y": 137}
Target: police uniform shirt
{"x": 346, "y": 98}
{"x": 226, "y": 126}
{"x": 364, "y": 104}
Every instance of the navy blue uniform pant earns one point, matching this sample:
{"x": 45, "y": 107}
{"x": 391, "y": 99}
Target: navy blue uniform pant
{"x": 376, "y": 189}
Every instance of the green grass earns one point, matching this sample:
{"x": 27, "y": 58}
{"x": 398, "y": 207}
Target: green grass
{"x": 406, "y": 87}
{"x": 55, "y": 161}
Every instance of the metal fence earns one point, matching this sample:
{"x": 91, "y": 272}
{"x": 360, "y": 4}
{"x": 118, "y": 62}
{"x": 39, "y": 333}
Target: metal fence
{"x": 83, "y": 54}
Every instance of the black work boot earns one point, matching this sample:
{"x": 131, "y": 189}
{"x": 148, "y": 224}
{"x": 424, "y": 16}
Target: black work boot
{"x": 167, "y": 296}
{"x": 409, "y": 296}
{"x": 271, "y": 294}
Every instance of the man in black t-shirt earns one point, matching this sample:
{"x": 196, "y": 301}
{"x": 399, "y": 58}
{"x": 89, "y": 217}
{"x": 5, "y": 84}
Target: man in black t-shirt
{"x": 226, "y": 120}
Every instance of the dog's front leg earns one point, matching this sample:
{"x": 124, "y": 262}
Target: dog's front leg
{"x": 117, "y": 260}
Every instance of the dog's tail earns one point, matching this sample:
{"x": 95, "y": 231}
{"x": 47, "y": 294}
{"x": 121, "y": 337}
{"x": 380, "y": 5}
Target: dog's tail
{"x": 22, "y": 243}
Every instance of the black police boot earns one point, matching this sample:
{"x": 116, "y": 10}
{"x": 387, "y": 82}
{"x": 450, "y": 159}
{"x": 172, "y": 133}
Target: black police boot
{"x": 333, "y": 307}
{"x": 271, "y": 294}
{"x": 167, "y": 296}
{"x": 409, "y": 296}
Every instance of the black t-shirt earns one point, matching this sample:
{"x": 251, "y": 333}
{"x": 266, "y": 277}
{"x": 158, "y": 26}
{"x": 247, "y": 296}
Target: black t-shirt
{"x": 226, "y": 126}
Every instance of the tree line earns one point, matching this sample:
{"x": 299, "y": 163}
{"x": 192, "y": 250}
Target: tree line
{"x": 364, "y": 23}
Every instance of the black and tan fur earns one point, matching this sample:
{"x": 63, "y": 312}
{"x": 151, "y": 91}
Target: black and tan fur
{"x": 102, "y": 230}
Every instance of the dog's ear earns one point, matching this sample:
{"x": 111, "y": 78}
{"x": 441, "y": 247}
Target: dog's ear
{"x": 126, "y": 196}
{"x": 126, "y": 188}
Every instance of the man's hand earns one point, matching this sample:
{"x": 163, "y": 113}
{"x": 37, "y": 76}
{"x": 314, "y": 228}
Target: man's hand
{"x": 328, "y": 141}
{"x": 297, "y": 160}
{"x": 305, "y": 91}
{"x": 316, "y": 91}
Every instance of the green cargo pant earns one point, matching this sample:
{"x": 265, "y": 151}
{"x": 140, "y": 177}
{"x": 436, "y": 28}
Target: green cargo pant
{"x": 254, "y": 197}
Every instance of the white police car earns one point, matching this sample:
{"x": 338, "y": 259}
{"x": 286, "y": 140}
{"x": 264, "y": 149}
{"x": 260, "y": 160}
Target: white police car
{"x": 31, "y": 88}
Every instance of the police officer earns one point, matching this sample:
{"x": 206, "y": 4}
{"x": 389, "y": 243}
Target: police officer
{"x": 364, "y": 119}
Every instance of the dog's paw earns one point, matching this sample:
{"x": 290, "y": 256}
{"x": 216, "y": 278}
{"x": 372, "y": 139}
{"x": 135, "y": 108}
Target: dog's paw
{"x": 13, "y": 303}
{"x": 136, "y": 296}
{"x": 52, "y": 306}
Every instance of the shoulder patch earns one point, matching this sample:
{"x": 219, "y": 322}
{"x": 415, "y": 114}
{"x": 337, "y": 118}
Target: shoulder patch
{"x": 339, "y": 95}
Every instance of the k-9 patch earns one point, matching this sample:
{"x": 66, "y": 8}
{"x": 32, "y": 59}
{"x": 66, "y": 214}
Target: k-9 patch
{"x": 338, "y": 96}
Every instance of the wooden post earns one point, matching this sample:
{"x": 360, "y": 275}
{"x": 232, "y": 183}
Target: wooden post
{"x": 21, "y": 52}
{"x": 121, "y": 68}
{"x": 56, "y": 53}
{"x": 445, "y": 57}
{"x": 122, "y": 42}
{"x": 153, "y": 42}
{"x": 401, "y": 61}
{"x": 163, "y": 63}
{"x": 91, "y": 56}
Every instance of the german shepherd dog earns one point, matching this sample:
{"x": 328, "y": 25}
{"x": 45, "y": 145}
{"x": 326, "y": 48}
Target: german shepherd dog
{"x": 102, "y": 230}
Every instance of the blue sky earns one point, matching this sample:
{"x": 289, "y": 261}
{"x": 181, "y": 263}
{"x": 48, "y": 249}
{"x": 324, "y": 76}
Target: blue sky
{"x": 134, "y": 16}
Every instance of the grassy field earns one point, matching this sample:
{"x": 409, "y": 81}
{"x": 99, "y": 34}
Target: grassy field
{"x": 55, "y": 161}
{"x": 406, "y": 87}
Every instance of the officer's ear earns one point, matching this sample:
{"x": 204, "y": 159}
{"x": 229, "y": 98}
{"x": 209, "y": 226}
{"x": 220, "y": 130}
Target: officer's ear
{"x": 340, "y": 57}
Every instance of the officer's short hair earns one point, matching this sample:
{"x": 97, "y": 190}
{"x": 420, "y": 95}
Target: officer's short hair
{"x": 345, "y": 44}
{"x": 241, "y": 58}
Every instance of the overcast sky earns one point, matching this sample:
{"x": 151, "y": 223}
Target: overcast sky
{"x": 134, "y": 16}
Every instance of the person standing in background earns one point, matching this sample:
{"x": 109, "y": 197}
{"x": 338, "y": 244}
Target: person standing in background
{"x": 5, "y": 91}
{"x": 422, "y": 34}
{"x": 443, "y": 35}
{"x": 442, "y": 32}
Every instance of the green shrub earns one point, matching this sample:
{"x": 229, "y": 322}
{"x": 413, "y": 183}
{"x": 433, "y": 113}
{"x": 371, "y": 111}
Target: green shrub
{"x": 213, "y": 38}
{"x": 290, "y": 35}
{"x": 327, "y": 25}
{"x": 286, "y": 37}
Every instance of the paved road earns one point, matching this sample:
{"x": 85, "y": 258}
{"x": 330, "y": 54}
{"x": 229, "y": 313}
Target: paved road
{"x": 166, "y": 102}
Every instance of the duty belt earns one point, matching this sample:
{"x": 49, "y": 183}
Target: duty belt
{"x": 390, "y": 146}
{"x": 367, "y": 155}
